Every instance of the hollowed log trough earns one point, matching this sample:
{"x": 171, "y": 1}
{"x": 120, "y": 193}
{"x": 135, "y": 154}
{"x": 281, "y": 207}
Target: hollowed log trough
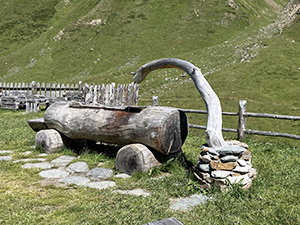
{"x": 160, "y": 129}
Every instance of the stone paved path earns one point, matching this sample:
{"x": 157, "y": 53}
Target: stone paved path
{"x": 61, "y": 172}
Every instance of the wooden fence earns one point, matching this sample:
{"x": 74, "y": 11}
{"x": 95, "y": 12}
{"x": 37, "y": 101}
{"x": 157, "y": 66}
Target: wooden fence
{"x": 15, "y": 94}
{"x": 243, "y": 114}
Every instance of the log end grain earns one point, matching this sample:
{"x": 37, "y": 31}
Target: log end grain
{"x": 49, "y": 140}
{"x": 135, "y": 157}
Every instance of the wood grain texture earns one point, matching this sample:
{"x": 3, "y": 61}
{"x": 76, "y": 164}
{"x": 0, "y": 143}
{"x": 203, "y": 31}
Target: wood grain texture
{"x": 161, "y": 128}
{"x": 49, "y": 140}
{"x": 135, "y": 157}
{"x": 214, "y": 135}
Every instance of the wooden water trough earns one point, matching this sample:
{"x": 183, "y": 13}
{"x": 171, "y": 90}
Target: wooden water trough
{"x": 140, "y": 130}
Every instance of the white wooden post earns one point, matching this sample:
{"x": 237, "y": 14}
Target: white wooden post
{"x": 242, "y": 119}
{"x": 155, "y": 101}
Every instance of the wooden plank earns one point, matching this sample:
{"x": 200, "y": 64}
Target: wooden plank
{"x": 118, "y": 97}
{"x": 98, "y": 93}
{"x": 95, "y": 93}
{"x": 43, "y": 91}
{"x": 272, "y": 134}
{"x": 242, "y": 119}
{"x": 136, "y": 94}
{"x": 123, "y": 93}
{"x": 63, "y": 90}
{"x": 273, "y": 116}
{"x": 204, "y": 128}
{"x": 33, "y": 88}
{"x": 38, "y": 88}
{"x": 57, "y": 92}
{"x": 112, "y": 94}
{"x": 47, "y": 90}
{"x": 102, "y": 95}
{"x": 52, "y": 90}
{"x": 106, "y": 99}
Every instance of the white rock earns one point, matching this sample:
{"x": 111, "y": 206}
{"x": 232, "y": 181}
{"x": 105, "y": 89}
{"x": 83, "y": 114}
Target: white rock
{"x": 189, "y": 202}
{"x": 100, "y": 173}
{"x": 78, "y": 167}
{"x": 242, "y": 162}
{"x": 81, "y": 181}
{"x": 122, "y": 175}
{"x": 220, "y": 174}
{"x": 136, "y": 192}
{"x": 27, "y": 153}
{"x": 54, "y": 173}
{"x": 243, "y": 179}
{"x": 242, "y": 169}
{"x": 63, "y": 160}
{"x": 44, "y": 165}
{"x": 5, "y": 151}
{"x": 101, "y": 184}
{"x": 43, "y": 154}
{"x": 5, "y": 158}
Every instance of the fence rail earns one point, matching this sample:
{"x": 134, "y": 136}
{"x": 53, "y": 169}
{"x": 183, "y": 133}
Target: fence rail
{"x": 38, "y": 93}
{"x": 243, "y": 114}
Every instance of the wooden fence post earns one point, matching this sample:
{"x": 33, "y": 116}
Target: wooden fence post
{"x": 33, "y": 87}
{"x": 242, "y": 119}
{"x": 155, "y": 101}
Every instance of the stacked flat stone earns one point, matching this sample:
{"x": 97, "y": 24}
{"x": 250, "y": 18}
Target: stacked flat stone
{"x": 229, "y": 165}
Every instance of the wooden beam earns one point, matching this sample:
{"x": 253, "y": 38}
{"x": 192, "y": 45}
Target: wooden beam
{"x": 213, "y": 132}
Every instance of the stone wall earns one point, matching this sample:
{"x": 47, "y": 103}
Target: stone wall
{"x": 226, "y": 166}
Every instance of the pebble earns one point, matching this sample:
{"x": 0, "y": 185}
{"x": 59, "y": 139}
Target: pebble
{"x": 63, "y": 160}
{"x": 242, "y": 169}
{"x": 242, "y": 162}
{"x": 81, "y": 181}
{"x": 122, "y": 175}
{"x": 243, "y": 179}
{"x": 54, "y": 173}
{"x": 43, "y": 154}
{"x": 136, "y": 192}
{"x": 27, "y": 153}
{"x": 232, "y": 150}
{"x": 100, "y": 173}
{"x": 220, "y": 174}
{"x": 101, "y": 184}
{"x": 5, "y": 151}
{"x": 187, "y": 203}
{"x": 5, "y": 158}
{"x": 229, "y": 158}
{"x": 29, "y": 160}
{"x": 78, "y": 167}
{"x": 44, "y": 165}
{"x": 203, "y": 167}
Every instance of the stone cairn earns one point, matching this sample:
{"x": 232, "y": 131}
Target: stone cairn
{"x": 226, "y": 166}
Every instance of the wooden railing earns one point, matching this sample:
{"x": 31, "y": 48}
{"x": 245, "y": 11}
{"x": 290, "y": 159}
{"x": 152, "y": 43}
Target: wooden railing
{"x": 243, "y": 114}
{"x": 14, "y": 94}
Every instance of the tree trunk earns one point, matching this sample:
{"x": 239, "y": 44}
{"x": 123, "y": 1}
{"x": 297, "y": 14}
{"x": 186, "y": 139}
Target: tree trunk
{"x": 161, "y": 128}
{"x": 49, "y": 140}
{"x": 214, "y": 135}
{"x": 135, "y": 157}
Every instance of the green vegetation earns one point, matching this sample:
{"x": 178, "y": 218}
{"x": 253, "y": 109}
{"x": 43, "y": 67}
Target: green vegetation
{"x": 272, "y": 199}
{"x": 235, "y": 43}
{"x": 239, "y": 46}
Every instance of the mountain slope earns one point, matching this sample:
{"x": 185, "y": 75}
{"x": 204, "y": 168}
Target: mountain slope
{"x": 247, "y": 49}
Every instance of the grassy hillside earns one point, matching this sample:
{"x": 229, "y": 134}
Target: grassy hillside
{"x": 238, "y": 44}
